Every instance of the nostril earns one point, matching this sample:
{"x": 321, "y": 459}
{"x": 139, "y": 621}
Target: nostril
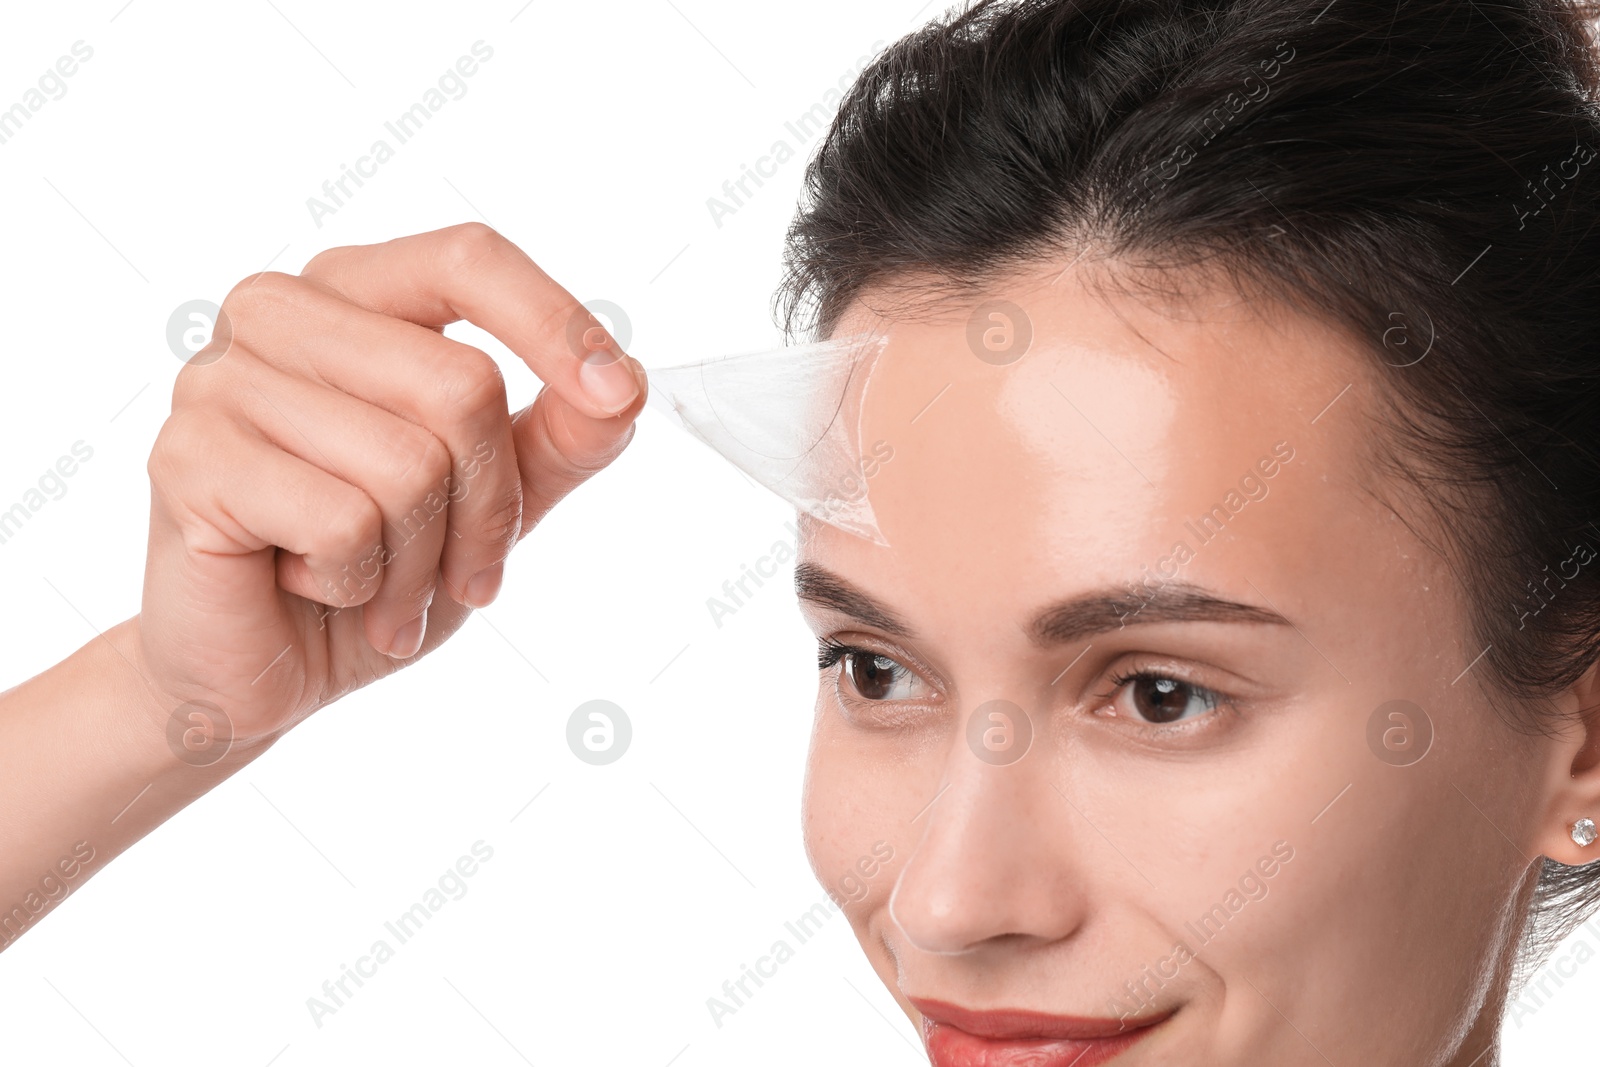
{"x": 930, "y": 920}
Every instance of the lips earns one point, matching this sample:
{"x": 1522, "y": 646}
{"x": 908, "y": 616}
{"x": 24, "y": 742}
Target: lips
{"x": 961, "y": 1037}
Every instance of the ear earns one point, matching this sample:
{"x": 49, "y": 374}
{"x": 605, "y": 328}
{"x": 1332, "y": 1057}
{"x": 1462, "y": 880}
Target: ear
{"x": 1573, "y": 789}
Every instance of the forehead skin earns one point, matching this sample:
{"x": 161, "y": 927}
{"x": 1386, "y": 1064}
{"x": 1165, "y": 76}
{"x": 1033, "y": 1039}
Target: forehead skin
{"x": 1127, "y": 419}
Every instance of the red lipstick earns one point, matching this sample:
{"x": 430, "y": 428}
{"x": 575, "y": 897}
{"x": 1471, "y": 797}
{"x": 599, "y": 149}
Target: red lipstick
{"x": 1003, "y": 1037}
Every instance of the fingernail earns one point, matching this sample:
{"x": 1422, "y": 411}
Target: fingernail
{"x": 639, "y": 374}
{"x": 484, "y": 586}
{"x": 608, "y": 381}
{"x": 408, "y": 639}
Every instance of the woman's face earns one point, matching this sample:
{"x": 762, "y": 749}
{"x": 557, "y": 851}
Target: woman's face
{"x": 1119, "y": 740}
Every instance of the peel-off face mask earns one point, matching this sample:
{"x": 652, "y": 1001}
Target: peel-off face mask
{"x": 790, "y": 418}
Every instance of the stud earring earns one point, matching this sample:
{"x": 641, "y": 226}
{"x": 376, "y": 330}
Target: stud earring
{"x": 1583, "y": 832}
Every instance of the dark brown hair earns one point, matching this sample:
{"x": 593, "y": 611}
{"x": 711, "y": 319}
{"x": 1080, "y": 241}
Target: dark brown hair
{"x": 1421, "y": 173}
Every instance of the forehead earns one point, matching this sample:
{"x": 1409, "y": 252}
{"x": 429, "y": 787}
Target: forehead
{"x": 1117, "y": 420}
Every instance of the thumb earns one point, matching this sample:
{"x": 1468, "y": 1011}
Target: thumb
{"x": 559, "y": 447}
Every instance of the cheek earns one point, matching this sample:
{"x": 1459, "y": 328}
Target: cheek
{"x": 830, "y": 808}
{"x": 1404, "y": 875}
{"x": 860, "y": 812}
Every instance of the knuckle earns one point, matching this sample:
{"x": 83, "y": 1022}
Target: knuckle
{"x": 465, "y": 245}
{"x": 350, "y": 528}
{"x": 192, "y": 386}
{"x": 502, "y": 522}
{"x": 182, "y": 437}
{"x": 182, "y": 488}
{"x": 419, "y": 463}
{"x": 265, "y": 289}
{"x": 206, "y": 385}
{"x": 325, "y": 262}
{"x": 347, "y": 552}
{"x": 258, "y": 298}
{"x": 469, "y": 382}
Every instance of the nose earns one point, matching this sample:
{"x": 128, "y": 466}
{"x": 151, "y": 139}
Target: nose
{"x": 998, "y": 858}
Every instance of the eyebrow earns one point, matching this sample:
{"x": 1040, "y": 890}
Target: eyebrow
{"x": 1095, "y": 612}
{"x": 825, "y": 588}
{"x": 1105, "y": 610}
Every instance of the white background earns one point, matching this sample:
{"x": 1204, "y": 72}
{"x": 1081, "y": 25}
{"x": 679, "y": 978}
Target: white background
{"x": 180, "y": 160}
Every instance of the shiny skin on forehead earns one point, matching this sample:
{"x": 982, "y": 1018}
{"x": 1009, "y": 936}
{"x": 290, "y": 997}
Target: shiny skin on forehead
{"x": 1124, "y": 418}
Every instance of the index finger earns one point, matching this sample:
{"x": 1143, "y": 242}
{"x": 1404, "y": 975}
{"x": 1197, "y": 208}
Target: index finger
{"x": 471, "y": 272}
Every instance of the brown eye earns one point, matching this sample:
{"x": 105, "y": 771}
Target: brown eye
{"x": 1159, "y": 699}
{"x": 872, "y": 675}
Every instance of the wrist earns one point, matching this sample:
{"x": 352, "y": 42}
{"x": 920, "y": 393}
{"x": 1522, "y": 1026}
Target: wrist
{"x": 158, "y": 735}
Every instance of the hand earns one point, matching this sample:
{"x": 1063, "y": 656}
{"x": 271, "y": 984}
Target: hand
{"x": 342, "y": 464}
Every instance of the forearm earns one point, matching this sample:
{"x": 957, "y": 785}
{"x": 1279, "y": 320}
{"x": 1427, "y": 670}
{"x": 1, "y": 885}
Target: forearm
{"x": 86, "y": 769}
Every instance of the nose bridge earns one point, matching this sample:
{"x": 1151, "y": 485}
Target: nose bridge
{"x": 996, "y": 856}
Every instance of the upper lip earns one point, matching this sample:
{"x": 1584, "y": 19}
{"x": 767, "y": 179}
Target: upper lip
{"x": 1018, "y": 1023}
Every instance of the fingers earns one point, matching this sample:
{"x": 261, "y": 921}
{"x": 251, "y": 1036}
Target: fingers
{"x": 345, "y": 377}
{"x": 453, "y": 391}
{"x": 400, "y": 466}
{"x": 471, "y": 272}
{"x": 228, "y": 524}
{"x": 377, "y": 461}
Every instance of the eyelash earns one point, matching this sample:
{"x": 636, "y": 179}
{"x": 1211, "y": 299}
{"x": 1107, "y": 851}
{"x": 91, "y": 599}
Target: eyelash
{"x": 831, "y": 652}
